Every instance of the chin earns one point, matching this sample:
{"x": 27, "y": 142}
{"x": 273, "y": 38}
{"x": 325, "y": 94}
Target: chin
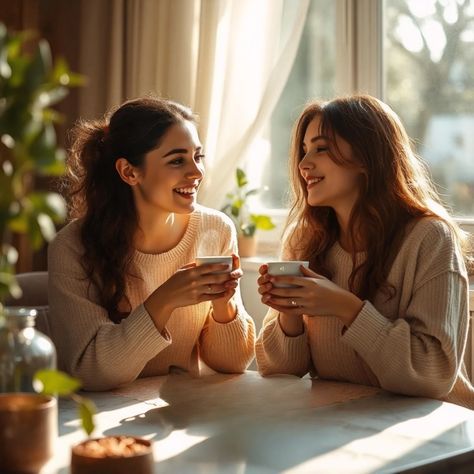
{"x": 188, "y": 209}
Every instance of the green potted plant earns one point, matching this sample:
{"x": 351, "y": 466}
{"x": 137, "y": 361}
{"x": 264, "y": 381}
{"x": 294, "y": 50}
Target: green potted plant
{"x": 246, "y": 222}
{"x": 30, "y": 84}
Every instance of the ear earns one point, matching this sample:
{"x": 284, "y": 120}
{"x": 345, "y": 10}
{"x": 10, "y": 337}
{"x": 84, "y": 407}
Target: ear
{"x": 127, "y": 171}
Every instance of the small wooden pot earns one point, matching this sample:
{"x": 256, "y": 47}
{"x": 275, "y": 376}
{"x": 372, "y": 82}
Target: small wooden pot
{"x": 96, "y": 456}
{"x": 247, "y": 246}
{"x": 28, "y": 431}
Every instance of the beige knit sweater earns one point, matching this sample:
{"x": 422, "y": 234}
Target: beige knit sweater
{"x": 413, "y": 344}
{"x": 104, "y": 355}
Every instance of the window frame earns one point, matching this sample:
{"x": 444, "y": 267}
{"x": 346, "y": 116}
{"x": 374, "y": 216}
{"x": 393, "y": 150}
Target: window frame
{"x": 359, "y": 69}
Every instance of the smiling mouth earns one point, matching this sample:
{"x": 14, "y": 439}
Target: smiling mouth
{"x": 186, "y": 192}
{"x": 313, "y": 181}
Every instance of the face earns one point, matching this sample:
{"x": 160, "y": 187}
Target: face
{"x": 172, "y": 173}
{"x": 328, "y": 183}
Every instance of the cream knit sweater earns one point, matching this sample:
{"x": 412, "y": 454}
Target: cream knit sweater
{"x": 413, "y": 344}
{"x": 104, "y": 355}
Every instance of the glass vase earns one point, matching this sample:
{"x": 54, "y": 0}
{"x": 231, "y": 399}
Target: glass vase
{"x": 23, "y": 350}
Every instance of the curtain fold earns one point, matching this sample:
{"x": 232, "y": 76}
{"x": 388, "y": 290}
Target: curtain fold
{"x": 223, "y": 58}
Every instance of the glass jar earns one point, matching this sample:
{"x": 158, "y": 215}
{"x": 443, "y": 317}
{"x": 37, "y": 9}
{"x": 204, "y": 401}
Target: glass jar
{"x": 23, "y": 350}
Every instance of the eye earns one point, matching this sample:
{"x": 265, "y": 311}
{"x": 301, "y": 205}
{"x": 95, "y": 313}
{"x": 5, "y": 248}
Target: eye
{"x": 200, "y": 157}
{"x": 322, "y": 149}
{"x": 177, "y": 161}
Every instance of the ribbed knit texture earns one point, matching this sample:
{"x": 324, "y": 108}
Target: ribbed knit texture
{"x": 412, "y": 344}
{"x": 105, "y": 355}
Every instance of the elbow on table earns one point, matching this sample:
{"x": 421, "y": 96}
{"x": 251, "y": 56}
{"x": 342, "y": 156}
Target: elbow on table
{"x": 100, "y": 381}
{"x": 428, "y": 387}
{"x": 266, "y": 370}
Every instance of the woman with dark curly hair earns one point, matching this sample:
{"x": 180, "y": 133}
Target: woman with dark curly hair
{"x": 126, "y": 298}
{"x": 385, "y": 301}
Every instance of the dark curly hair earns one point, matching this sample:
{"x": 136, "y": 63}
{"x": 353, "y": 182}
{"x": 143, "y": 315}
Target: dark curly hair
{"x": 96, "y": 193}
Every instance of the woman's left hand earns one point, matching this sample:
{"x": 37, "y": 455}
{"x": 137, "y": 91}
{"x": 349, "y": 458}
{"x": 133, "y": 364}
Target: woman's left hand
{"x": 312, "y": 295}
{"x": 224, "y": 308}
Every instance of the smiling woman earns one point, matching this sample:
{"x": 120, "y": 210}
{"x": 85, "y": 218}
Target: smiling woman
{"x": 385, "y": 299}
{"x": 122, "y": 274}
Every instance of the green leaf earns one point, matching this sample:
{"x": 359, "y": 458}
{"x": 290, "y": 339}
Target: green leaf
{"x": 262, "y": 222}
{"x": 55, "y": 382}
{"x": 248, "y": 229}
{"x": 252, "y": 192}
{"x": 87, "y": 410}
{"x": 39, "y": 67}
{"x": 241, "y": 178}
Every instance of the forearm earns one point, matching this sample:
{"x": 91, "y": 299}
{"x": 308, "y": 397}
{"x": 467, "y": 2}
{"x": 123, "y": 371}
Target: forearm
{"x": 291, "y": 325}
{"x": 224, "y": 311}
{"x": 278, "y": 353}
{"x": 404, "y": 358}
{"x": 228, "y": 346}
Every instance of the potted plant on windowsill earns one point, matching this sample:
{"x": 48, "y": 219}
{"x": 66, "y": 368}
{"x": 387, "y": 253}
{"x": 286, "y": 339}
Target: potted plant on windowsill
{"x": 246, "y": 222}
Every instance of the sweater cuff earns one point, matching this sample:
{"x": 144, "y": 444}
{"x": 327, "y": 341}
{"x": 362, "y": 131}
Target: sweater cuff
{"x": 139, "y": 325}
{"x": 234, "y": 326}
{"x": 277, "y": 342}
{"x": 364, "y": 333}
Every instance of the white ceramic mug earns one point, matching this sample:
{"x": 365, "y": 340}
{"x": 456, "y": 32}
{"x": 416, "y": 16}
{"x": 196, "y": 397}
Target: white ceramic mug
{"x": 216, "y": 259}
{"x": 291, "y": 267}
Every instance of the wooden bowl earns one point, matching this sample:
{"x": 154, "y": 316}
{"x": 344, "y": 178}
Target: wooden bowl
{"x": 28, "y": 431}
{"x": 90, "y": 456}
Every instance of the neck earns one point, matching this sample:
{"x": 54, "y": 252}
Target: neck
{"x": 161, "y": 233}
{"x": 344, "y": 238}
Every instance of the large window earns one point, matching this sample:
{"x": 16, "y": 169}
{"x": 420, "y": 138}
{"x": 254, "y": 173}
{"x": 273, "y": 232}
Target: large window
{"x": 429, "y": 81}
{"x": 312, "y": 76}
{"x": 417, "y": 55}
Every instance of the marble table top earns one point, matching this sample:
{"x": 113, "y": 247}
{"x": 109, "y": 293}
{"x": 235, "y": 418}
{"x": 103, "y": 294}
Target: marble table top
{"x": 236, "y": 424}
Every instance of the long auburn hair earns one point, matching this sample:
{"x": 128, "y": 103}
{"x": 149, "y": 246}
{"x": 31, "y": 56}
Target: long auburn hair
{"x": 96, "y": 193}
{"x": 395, "y": 189}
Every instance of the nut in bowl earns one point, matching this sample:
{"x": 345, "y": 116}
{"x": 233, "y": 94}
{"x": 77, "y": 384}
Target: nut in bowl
{"x": 112, "y": 455}
{"x": 290, "y": 268}
{"x": 227, "y": 259}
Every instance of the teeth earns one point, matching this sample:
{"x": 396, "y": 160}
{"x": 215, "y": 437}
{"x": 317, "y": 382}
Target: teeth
{"x": 185, "y": 190}
{"x": 314, "y": 180}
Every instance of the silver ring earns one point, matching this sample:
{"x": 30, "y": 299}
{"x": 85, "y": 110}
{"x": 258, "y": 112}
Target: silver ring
{"x": 293, "y": 302}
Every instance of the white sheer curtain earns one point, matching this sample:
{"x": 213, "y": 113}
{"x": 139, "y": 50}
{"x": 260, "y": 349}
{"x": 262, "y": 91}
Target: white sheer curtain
{"x": 227, "y": 59}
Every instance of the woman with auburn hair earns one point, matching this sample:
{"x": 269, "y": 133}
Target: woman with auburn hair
{"x": 126, "y": 298}
{"x": 385, "y": 301}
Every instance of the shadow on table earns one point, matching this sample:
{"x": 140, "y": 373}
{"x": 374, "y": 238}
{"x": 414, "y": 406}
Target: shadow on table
{"x": 459, "y": 461}
{"x": 269, "y": 423}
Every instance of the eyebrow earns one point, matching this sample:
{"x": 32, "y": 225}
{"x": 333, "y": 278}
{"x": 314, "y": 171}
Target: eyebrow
{"x": 316, "y": 138}
{"x": 319, "y": 137}
{"x": 175, "y": 151}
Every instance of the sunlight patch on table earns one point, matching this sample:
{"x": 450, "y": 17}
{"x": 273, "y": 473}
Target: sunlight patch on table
{"x": 176, "y": 443}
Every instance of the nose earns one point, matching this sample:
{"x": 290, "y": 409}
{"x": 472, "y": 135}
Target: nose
{"x": 305, "y": 164}
{"x": 195, "y": 171}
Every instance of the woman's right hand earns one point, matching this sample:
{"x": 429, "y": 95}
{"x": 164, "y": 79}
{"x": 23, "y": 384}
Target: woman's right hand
{"x": 190, "y": 285}
{"x": 291, "y": 324}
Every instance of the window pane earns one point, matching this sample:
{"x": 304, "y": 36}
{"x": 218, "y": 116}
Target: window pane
{"x": 312, "y": 76}
{"x": 429, "y": 81}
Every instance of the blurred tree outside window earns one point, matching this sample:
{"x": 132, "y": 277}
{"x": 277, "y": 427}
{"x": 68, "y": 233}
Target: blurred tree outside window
{"x": 429, "y": 82}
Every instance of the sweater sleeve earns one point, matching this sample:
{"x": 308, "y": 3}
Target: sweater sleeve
{"x": 103, "y": 355}
{"x": 228, "y": 347}
{"x": 278, "y": 353}
{"x": 421, "y": 352}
